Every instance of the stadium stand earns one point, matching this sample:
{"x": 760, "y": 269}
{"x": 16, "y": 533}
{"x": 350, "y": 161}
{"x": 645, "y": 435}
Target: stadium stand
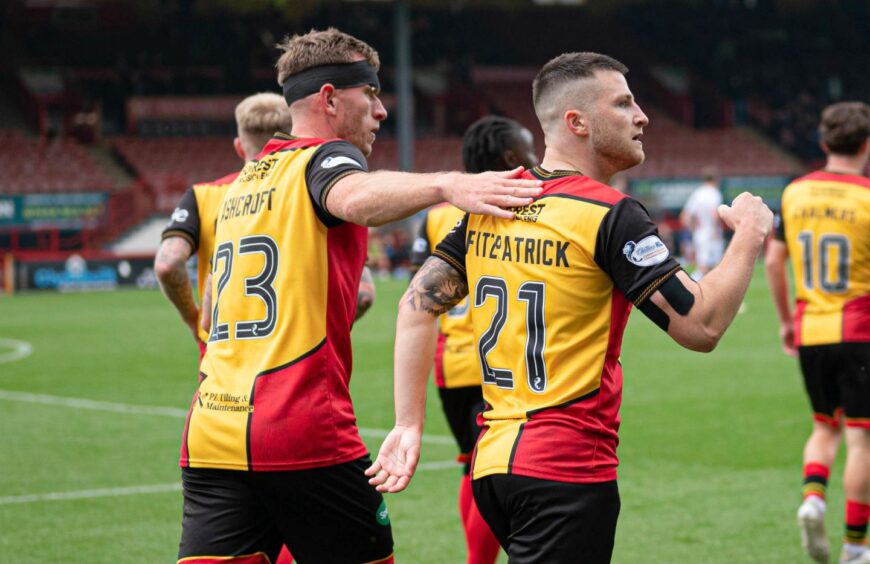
{"x": 169, "y": 165}
{"x": 39, "y": 165}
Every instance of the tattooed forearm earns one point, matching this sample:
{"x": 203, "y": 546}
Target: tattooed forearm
{"x": 436, "y": 288}
{"x": 171, "y": 270}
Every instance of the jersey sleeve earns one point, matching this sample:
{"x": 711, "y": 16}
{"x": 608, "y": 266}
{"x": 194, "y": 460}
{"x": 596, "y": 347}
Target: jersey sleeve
{"x": 451, "y": 249}
{"x": 422, "y": 247}
{"x": 185, "y": 220}
{"x": 331, "y": 162}
{"x": 628, "y": 248}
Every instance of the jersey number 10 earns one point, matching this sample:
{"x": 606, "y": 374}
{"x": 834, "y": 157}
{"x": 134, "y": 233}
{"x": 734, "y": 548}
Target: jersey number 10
{"x": 821, "y": 258}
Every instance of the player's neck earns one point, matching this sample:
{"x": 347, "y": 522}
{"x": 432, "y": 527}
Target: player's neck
{"x": 312, "y": 128}
{"x": 554, "y": 159}
{"x": 846, "y": 164}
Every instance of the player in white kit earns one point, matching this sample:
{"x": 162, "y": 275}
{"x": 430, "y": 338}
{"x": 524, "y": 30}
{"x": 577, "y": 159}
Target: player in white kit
{"x": 701, "y": 216}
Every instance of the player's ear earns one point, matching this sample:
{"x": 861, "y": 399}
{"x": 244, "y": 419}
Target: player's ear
{"x": 511, "y": 160}
{"x": 240, "y": 151}
{"x": 327, "y": 98}
{"x": 576, "y": 122}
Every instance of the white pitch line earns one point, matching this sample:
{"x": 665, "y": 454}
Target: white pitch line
{"x": 153, "y": 489}
{"x": 95, "y": 405}
{"x": 86, "y": 494}
{"x": 20, "y": 349}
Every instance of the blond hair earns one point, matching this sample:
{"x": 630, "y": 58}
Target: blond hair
{"x": 316, "y": 48}
{"x": 258, "y": 117}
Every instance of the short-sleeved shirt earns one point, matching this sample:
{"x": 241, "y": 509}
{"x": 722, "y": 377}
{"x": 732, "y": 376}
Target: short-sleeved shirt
{"x": 455, "y": 357}
{"x": 194, "y": 219}
{"x": 825, "y": 222}
{"x": 702, "y": 205}
{"x": 274, "y": 380}
{"x": 550, "y": 293}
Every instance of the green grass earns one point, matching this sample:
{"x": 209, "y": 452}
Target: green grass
{"x": 710, "y": 444}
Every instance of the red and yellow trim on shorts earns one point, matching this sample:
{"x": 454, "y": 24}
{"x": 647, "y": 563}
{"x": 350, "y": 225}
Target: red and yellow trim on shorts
{"x": 858, "y": 422}
{"x": 256, "y": 558}
{"x": 835, "y": 421}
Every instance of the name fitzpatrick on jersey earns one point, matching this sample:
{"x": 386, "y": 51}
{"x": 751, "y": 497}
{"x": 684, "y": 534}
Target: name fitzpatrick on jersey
{"x": 248, "y": 204}
{"x": 517, "y": 249}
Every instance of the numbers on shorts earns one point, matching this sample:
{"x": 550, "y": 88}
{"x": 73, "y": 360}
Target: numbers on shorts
{"x": 532, "y": 293}
{"x": 259, "y": 286}
{"x": 817, "y": 262}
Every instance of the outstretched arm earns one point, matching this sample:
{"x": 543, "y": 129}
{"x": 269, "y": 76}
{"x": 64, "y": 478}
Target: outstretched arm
{"x": 435, "y": 289}
{"x": 377, "y": 198}
{"x": 170, "y": 267}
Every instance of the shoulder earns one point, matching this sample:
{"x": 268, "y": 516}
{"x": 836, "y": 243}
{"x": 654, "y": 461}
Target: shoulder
{"x": 584, "y": 189}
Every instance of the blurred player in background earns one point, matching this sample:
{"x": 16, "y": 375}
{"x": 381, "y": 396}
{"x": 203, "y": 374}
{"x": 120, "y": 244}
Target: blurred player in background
{"x": 271, "y": 452}
{"x": 551, "y": 292}
{"x": 700, "y": 215}
{"x": 191, "y": 228}
{"x": 824, "y": 226}
{"x": 491, "y": 143}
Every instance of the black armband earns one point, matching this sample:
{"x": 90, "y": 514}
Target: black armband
{"x": 655, "y": 314}
{"x": 677, "y": 295}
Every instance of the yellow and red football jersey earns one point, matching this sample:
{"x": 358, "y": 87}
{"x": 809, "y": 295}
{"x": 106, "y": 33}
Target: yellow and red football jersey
{"x": 550, "y": 294}
{"x": 274, "y": 380}
{"x": 825, "y": 222}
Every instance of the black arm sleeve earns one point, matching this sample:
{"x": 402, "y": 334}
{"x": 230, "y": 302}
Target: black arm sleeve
{"x": 451, "y": 249}
{"x": 331, "y": 162}
{"x": 628, "y": 248}
{"x": 185, "y": 220}
{"x": 422, "y": 248}
{"x": 778, "y": 227}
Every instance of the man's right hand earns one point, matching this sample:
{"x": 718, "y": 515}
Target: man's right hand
{"x": 747, "y": 211}
{"x": 491, "y": 193}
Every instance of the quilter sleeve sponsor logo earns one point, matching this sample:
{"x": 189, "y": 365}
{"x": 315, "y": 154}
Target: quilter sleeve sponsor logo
{"x": 648, "y": 251}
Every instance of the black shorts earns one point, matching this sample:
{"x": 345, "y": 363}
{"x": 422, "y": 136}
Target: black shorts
{"x": 837, "y": 377}
{"x": 461, "y": 406}
{"x": 328, "y": 515}
{"x": 545, "y": 521}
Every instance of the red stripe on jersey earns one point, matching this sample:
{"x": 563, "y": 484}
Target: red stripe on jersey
{"x": 856, "y": 320}
{"x": 800, "y": 306}
{"x": 822, "y": 175}
{"x": 580, "y": 186}
{"x": 577, "y": 443}
{"x": 277, "y": 144}
{"x": 346, "y": 249}
{"x": 283, "y": 428}
{"x": 439, "y": 360}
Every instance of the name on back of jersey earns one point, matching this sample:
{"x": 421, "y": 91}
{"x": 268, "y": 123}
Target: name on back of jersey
{"x": 528, "y": 250}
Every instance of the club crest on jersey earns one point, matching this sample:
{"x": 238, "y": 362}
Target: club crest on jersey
{"x": 648, "y": 251}
{"x": 179, "y": 215}
{"x": 332, "y": 162}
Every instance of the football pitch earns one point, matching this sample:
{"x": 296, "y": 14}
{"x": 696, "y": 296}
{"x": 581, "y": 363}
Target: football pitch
{"x": 91, "y": 420}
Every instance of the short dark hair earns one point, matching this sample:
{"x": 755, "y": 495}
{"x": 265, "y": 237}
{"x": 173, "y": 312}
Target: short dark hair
{"x": 571, "y": 66}
{"x": 844, "y": 127}
{"x": 486, "y": 141}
